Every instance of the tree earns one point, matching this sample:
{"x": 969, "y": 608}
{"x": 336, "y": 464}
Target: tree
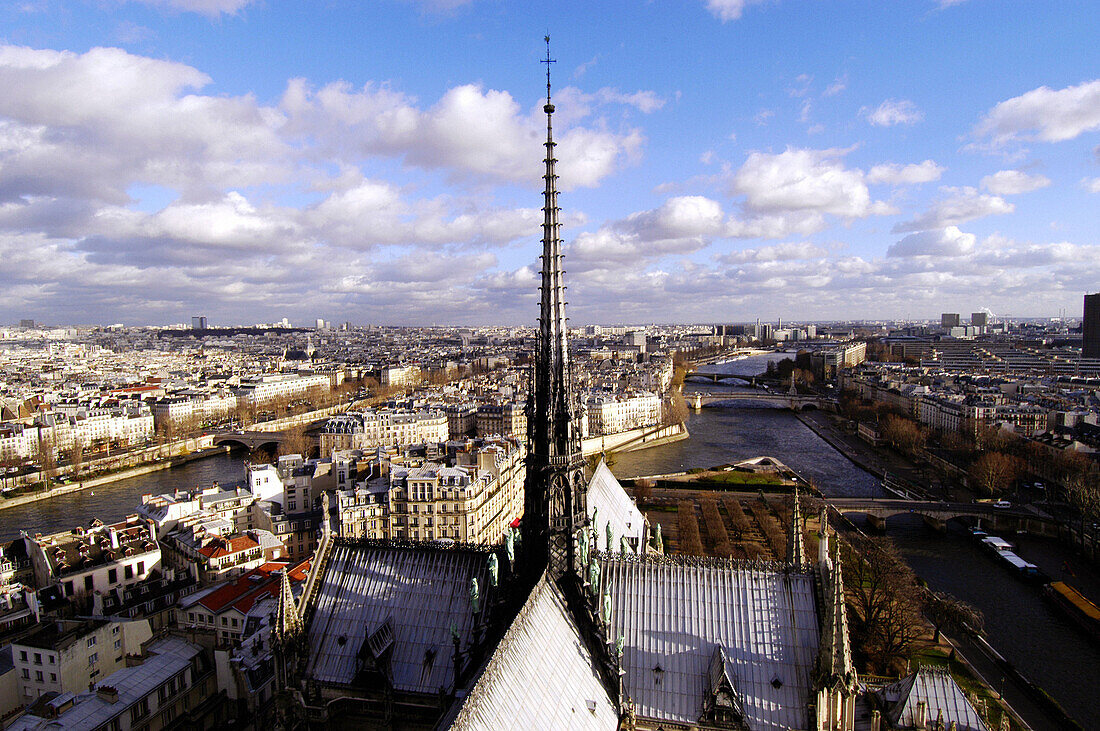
{"x": 994, "y": 472}
{"x": 46, "y": 459}
{"x": 296, "y": 440}
{"x": 886, "y": 599}
{"x": 904, "y": 434}
{"x": 945, "y": 611}
{"x": 76, "y": 457}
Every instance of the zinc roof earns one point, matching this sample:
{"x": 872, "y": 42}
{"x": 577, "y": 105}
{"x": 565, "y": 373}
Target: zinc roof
{"x": 611, "y": 504}
{"x": 420, "y": 589}
{"x": 541, "y": 675}
{"x": 673, "y": 612}
{"x": 943, "y": 696}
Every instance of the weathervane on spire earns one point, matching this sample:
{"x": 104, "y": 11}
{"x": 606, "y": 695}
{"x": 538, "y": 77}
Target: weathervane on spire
{"x": 549, "y": 108}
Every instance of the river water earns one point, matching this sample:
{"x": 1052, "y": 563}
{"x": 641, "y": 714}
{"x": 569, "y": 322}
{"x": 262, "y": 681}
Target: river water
{"x": 1046, "y": 648}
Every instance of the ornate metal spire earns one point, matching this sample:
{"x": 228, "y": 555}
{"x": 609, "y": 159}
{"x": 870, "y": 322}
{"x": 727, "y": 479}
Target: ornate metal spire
{"x": 555, "y": 490}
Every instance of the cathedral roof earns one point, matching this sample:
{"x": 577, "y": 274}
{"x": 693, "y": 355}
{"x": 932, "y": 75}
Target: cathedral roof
{"x": 418, "y": 591}
{"x": 541, "y": 675}
{"x": 942, "y": 696}
{"x": 673, "y": 612}
{"x": 611, "y": 503}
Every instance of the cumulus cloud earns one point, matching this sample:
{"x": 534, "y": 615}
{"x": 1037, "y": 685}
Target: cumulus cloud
{"x": 1044, "y": 114}
{"x": 913, "y": 174}
{"x": 892, "y": 112}
{"x": 805, "y": 180}
{"x": 949, "y": 241}
{"x": 1013, "y": 182}
{"x": 780, "y": 252}
{"x": 958, "y": 206}
{"x": 1092, "y": 185}
{"x": 470, "y": 130}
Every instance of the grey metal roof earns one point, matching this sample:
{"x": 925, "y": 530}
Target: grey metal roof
{"x": 541, "y": 675}
{"x": 421, "y": 590}
{"x": 943, "y": 696}
{"x": 611, "y": 503}
{"x": 672, "y": 612}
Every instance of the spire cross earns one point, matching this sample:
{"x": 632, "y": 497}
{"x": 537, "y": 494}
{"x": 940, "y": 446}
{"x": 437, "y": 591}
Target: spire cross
{"x": 548, "y": 61}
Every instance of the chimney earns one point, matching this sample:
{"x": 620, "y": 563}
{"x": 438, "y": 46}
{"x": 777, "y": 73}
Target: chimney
{"x": 108, "y": 693}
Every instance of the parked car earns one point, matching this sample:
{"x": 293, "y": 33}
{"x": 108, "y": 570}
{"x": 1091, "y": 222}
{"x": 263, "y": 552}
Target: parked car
{"x": 1002, "y": 504}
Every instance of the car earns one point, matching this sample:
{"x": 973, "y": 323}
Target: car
{"x": 1002, "y": 504}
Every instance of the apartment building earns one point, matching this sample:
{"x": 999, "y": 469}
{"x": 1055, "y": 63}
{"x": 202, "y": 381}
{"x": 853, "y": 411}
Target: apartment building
{"x": 370, "y": 429}
{"x": 68, "y": 656}
{"x": 611, "y": 413}
{"x": 507, "y": 419}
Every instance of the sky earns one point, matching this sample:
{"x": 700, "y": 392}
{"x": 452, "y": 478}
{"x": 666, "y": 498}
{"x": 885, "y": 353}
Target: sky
{"x": 380, "y": 162}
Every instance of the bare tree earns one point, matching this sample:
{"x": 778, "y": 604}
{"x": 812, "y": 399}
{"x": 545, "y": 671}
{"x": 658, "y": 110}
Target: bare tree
{"x": 994, "y": 472}
{"x": 76, "y": 458}
{"x": 297, "y": 440}
{"x": 886, "y": 599}
{"x": 46, "y": 459}
{"x": 904, "y": 434}
{"x": 948, "y": 612}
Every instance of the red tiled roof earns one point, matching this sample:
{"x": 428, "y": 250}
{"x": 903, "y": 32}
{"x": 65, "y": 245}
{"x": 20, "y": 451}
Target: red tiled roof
{"x": 257, "y": 584}
{"x": 218, "y": 548}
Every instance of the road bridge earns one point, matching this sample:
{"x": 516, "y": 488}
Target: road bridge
{"x": 936, "y": 513}
{"x": 794, "y": 402}
{"x": 250, "y": 440}
{"x": 705, "y": 377}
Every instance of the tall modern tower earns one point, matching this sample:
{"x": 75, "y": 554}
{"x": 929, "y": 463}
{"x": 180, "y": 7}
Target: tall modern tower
{"x": 1090, "y": 327}
{"x": 554, "y": 493}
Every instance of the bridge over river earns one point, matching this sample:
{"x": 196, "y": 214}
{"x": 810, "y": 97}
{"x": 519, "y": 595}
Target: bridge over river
{"x": 794, "y": 402}
{"x": 1026, "y": 519}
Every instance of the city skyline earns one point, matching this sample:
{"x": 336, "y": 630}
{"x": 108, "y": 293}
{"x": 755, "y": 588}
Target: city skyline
{"x": 240, "y": 159}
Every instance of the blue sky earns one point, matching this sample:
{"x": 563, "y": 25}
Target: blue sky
{"x": 379, "y": 162}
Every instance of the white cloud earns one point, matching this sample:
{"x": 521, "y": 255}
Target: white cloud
{"x": 1044, "y": 114}
{"x": 778, "y": 252}
{"x": 212, "y": 8}
{"x": 805, "y": 180}
{"x": 1092, "y": 185}
{"x": 726, "y": 10}
{"x": 839, "y": 84}
{"x": 913, "y": 174}
{"x": 960, "y": 205}
{"x": 892, "y": 112}
{"x": 470, "y": 130}
{"x": 1013, "y": 182}
{"x": 949, "y": 241}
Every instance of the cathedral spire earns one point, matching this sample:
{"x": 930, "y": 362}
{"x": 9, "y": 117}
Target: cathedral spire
{"x": 796, "y": 546}
{"x": 554, "y": 507}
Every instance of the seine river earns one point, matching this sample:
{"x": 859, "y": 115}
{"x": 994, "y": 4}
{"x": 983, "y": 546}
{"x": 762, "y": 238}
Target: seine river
{"x": 1019, "y": 624}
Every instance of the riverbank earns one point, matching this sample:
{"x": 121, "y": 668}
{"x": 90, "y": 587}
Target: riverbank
{"x": 123, "y": 474}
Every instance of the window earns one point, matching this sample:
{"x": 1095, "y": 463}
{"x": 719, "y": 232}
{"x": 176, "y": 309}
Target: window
{"x": 26, "y": 674}
{"x": 53, "y": 677}
{"x": 69, "y": 588}
{"x": 114, "y": 629}
{"x": 118, "y": 644}
{"x": 50, "y": 658}
{"x": 140, "y": 710}
{"x": 38, "y": 675}
{"x": 112, "y": 576}
{"x": 225, "y": 621}
{"x": 93, "y": 658}
{"x": 141, "y": 567}
{"x": 38, "y": 658}
{"x": 23, "y": 655}
{"x": 234, "y": 621}
{"x": 128, "y": 571}
{"x": 191, "y": 617}
{"x": 89, "y": 583}
{"x": 91, "y": 641}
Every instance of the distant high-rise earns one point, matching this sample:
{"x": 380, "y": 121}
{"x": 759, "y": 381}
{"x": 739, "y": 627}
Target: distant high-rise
{"x": 198, "y": 322}
{"x": 26, "y": 323}
{"x": 949, "y": 320}
{"x": 979, "y": 319}
{"x": 1090, "y": 327}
